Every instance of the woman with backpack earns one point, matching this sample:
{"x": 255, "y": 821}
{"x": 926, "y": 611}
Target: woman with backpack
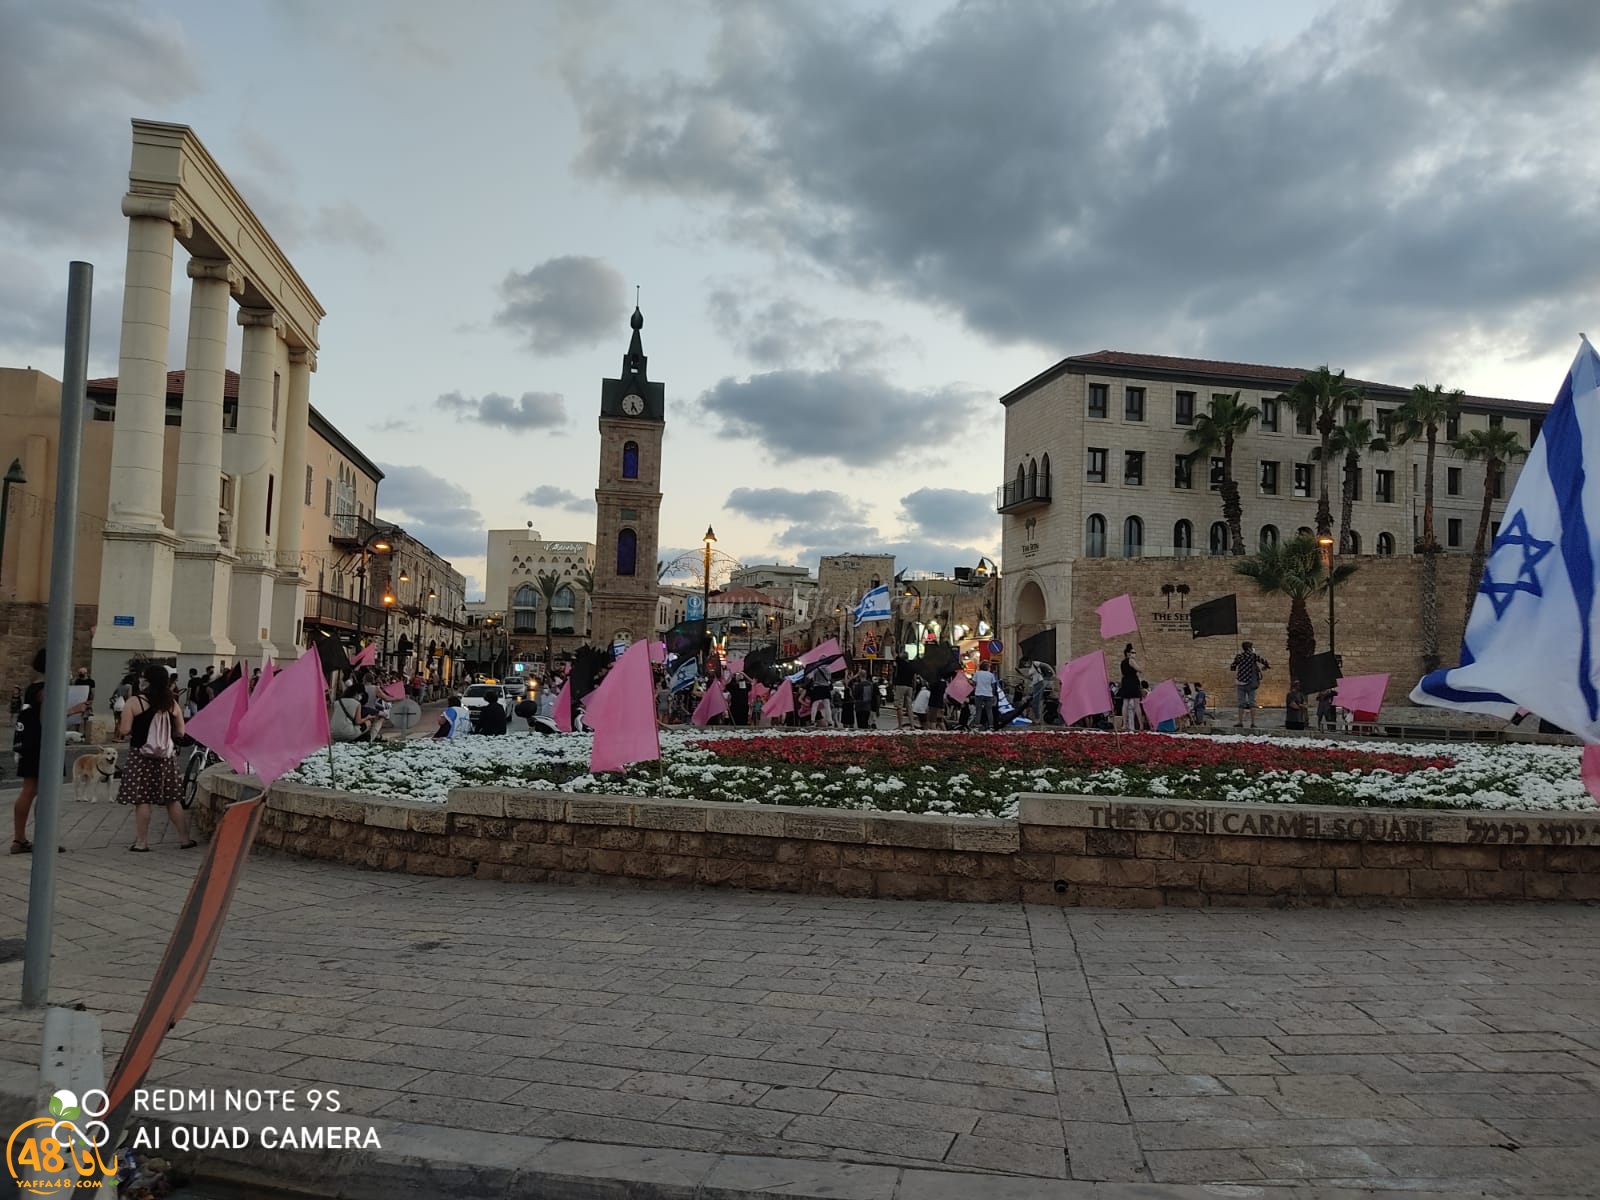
{"x": 153, "y": 723}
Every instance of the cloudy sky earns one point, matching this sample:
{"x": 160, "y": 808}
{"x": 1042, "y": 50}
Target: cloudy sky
{"x": 854, "y": 225}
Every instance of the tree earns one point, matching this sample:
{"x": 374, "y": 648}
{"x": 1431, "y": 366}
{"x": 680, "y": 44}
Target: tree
{"x": 548, "y": 583}
{"x": 1349, "y": 441}
{"x": 1321, "y": 398}
{"x": 584, "y": 578}
{"x": 1494, "y": 448}
{"x": 1294, "y": 568}
{"x": 1214, "y": 432}
{"x": 1421, "y": 416}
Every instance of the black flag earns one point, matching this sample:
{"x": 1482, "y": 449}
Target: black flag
{"x": 331, "y": 650}
{"x": 1320, "y": 672}
{"x": 1041, "y": 647}
{"x": 686, "y": 638}
{"x": 935, "y": 661}
{"x": 1215, "y": 617}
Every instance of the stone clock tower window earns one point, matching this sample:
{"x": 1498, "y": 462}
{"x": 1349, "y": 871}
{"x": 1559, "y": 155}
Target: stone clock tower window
{"x": 627, "y": 551}
{"x": 630, "y": 460}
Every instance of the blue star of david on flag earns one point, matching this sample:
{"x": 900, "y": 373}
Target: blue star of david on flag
{"x": 1514, "y": 535}
{"x": 1532, "y": 641}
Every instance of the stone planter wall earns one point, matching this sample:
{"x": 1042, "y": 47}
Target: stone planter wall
{"x": 1070, "y": 850}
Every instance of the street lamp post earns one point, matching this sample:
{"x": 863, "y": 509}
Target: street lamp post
{"x": 13, "y": 476}
{"x": 987, "y": 568}
{"x": 376, "y": 541}
{"x": 388, "y": 606}
{"x": 705, "y": 596}
{"x": 1326, "y": 542}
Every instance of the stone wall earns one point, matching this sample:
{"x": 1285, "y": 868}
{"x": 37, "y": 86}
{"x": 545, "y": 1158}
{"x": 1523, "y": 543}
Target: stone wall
{"x": 23, "y": 628}
{"x": 1099, "y": 852}
{"x": 1377, "y": 613}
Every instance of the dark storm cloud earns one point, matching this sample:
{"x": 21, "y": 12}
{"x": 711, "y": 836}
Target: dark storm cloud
{"x": 548, "y": 496}
{"x": 1396, "y": 176}
{"x": 848, "y": 416}
{"x": 785, "y": 333}
{"x": 949, "y": 512}
{"x": 71, "y": 72}
{"x": 439, "y": 514}
{"x": 534, "y": 410}
{"x": 563, "y": 303}
{"x": 783, "y": 504}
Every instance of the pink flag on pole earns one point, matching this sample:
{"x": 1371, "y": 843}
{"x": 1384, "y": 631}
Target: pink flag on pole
{"x": 393, "y": 691}
{"x": 782, "y": 702}
{"x": 622, "y": 713}
{"x": 713, "y": 704}
{"x": 1590, "y": 770}
{"x": 1116, "y": 616}
{"x": 828, "y": 649}
{"x": 735, "y": 665}
{"x": 1165, "y": 703}
{"x": 1361, "y": 693}
{"x": 267, "y": 672}
{"x": 658, "y": 653}
{"x": 562, "y": 713}
{"x": 216, "y": 725}
{"x": 1085, "y": 690}
{"x": 290, "y": 722}
{"x": 959, "y": 688}
{"x": 759, "y": 691}
{"x": 365, "y": 656}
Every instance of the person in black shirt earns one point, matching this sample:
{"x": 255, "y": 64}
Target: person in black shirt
{"x": 492, "y": 716}
{"x": 739, "y": 697}
{"x": 28, "y": 746}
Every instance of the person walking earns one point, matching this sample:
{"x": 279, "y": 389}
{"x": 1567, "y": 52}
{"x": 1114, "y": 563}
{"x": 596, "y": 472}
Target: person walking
{"x": 984, "y": 686}
{"x": 28, "y": 743}
{"x": 1130, "y": 692}
{"x": 153, "y": 723}
{"x": 1037, "y": 679}
{"x": 1294, "y": 707}
{"x": 905, "y": 689}
{"x": 1247, "y": 667}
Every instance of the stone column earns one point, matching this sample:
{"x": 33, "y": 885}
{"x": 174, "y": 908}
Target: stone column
{"x": 255, "y": 455}
{"x": 202, "y": 575}
{"x": 288, "y": 595}
{"x": 135, "y": 601}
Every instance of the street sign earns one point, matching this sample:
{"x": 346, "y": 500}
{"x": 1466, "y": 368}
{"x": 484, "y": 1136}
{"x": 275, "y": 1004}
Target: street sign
{"x": 122, "y": 621}
{"x": 995, "y": 646}
{"x": 694, "y": 607}
{"x": 403, "y": 714}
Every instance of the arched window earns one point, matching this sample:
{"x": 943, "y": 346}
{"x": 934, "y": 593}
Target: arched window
{"x": 563, "y": 599}
{"x": 1044, "y": 469}
{"x": 630, "y": 460}
{"x": 1269, "y": 536}
{"x": 1183, "y": 538}
{"x": 1386, "y": 545}
{"x": 1354, "y": 543}
{"x": 1094, "y": 540}
{"x": 1305, "y": 531}
{"x": 627, "y": 551}
{"x": 1132, "y": 538}
{"x": 1219, "y": 537}
{"x": 525, "y": 609}
{"x": 1033, "y": 478}
{"x": 1022, "y": 478}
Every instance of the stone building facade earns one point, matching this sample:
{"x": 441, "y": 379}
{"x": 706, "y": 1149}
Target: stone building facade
{"x": 1092, "y": 475}
{"x": 516, "y": 559}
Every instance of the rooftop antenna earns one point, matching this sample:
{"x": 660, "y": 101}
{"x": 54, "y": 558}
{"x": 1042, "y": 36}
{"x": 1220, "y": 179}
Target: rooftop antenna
{"x": 636, "y": 295}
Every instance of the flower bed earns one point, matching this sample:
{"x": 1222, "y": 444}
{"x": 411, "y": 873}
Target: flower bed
{"x": 976, "y": 774}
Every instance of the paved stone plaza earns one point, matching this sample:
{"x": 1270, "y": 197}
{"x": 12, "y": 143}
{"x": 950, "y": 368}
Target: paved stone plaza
{"x": 1453, "y": 1051}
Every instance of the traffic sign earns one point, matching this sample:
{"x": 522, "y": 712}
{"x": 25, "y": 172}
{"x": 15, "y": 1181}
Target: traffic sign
{"x": 995, "y": 646}
{"x": 694, "y": 608}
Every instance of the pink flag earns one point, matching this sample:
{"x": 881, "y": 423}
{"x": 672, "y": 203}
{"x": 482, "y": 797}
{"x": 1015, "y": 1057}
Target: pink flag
{"x": 735, "y": 665}
{"x": 759, "y": 691}
{"x": 216, "y": 725}
{"x": 622, "y": 713}
{"x": 713, "y": 704}
{"x": 782, "y": 702}
{"x": 290, "y": 722}
{"x": 1116, "y": 616}
{"x": 562, "y": 713}
{"x": 1165, "y": 703}
{"x": 1361, "y": 693}
{"x": 658, "y": 653}
{"x": 267, "y": 672}
{"x": 365, "y": 656}
{"x": 828, "y": 649}
{"x": 393, "y": 691}
{"x": 959, "y": 688}
{"x": 1085, "y": 690}
{"x": 1590, "y": 770}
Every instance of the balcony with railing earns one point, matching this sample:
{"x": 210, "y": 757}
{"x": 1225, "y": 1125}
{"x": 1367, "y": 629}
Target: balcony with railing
{"x": 1024, "y": 492}
{"x": 327, "y": 608}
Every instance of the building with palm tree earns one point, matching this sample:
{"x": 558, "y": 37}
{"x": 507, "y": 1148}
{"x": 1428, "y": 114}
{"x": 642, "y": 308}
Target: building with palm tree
{"x": 540, "y": 588}
{"x": 1120, "y": 455}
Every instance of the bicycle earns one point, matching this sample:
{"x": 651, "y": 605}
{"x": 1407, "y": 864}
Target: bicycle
{"x": 200, "y": 758}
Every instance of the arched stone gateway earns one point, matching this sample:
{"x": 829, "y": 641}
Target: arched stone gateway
{"x": 225, "y": 577}
{"x": 1030, "y": 607}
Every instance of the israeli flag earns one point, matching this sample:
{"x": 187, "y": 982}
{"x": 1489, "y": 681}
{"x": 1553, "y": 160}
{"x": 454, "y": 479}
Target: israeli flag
{"x": 684, "y": 675}
{"x": 874, "y": 606}
{"x": 1533, "y": 639}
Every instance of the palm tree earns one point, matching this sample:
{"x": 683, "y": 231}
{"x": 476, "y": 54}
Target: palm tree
{"x": 1321, "y": 397}
{"x": 1494, "y": 448}
{"x": 1421, "y": 416}
{"x": 548, "y": 583}
{"x": 1215, "y": 432}
{"x": 584, "y": 578}
{"x": 1349, "y": 441}
{"x": 1293, "y": 568}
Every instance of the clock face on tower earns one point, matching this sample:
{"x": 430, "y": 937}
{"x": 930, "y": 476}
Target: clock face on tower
{"x": 632, "y": 405}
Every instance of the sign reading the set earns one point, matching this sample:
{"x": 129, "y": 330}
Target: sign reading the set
{"x": 1170, "y": 622}
{"x": 564, "y": 547}
{"x": 1030, "y": 539}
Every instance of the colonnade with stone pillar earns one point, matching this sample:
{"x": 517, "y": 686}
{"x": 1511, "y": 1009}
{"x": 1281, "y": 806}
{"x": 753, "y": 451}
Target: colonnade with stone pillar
{"x": 219, "y": 576}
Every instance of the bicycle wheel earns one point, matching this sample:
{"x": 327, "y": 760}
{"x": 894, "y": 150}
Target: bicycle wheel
{"x": 199, "y": 759}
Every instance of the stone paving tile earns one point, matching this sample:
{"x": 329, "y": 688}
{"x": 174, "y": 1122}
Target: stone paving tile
{"x": 1367, "y": 1049}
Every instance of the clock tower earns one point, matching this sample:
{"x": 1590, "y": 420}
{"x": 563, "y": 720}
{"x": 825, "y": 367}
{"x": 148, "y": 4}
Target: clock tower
{"x": 628, "y": 500}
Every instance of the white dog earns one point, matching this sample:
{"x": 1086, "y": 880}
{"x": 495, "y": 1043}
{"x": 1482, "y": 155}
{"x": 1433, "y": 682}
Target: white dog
{"x": 92, "y": 773}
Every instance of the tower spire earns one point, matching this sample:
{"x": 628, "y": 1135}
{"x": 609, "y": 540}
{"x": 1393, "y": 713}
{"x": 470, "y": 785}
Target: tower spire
{"x": 633, "y": 365}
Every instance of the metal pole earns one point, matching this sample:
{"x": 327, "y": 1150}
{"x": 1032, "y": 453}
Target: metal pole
{"x": 5, "y": 508}
{"x": 1333, "y": 646}
{"x": 58, "y": 641}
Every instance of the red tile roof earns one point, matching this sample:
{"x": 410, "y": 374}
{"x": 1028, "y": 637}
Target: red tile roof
{"x": 230, "y": 384}
{"x": 1207, "y": 368}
